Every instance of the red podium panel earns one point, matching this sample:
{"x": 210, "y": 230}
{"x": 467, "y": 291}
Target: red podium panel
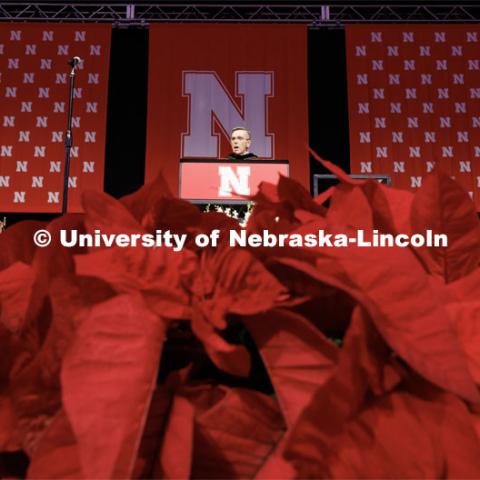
{"x": 222, "y": 181}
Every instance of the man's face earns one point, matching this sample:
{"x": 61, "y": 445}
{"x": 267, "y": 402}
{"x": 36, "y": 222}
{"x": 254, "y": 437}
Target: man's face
{"x": 240, "y": 142}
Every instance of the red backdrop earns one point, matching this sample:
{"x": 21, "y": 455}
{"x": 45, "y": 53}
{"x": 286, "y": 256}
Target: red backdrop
{"x": 206, "y": 79}
{"x": 34, "y": 82}
{"x": 414, "y": 102}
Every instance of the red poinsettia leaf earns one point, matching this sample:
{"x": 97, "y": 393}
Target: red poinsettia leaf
{"x": 56, "y": 456}
{"x": 276, "y": 219}
{"x": 367, "y": 349}
{"x": 236, "y": 436}
{"x": 16, "y": 243}
{"x": 207, "y": 320}
{"x": 164, "y": 430}
{"x": 144, "y": 200}
{"x": 360, "y": 371}
{"x": 311, "y": 279}
{"x": 216, "y": 220}
{"x": 305, "y": 217}
{"x": 202, "y": 396}
{"x": 71, "y": 293}
{"x": 325, "y": 270}
{"x": 476, "y": 423}
{"x": 324, "y": 196}
{"x": 109, "y": 215}
{"x": 360, "y": 425}
{"x": 362, "y": 366}
{"x": 466, "y": 288}
{"x": 267, "y": 193}
{"x": 53, "y": 261}
{"x": 363, "y": 369}
{"x": 10, "y": 440}
{"x": 297, "y": 356}
{"x": 404, "y": 436}
{"x": 35, "y": 378}
{"x": 170, "y": 425}
{"x": 366, "y": 206}
{"x": 459, "y": 438}
{"x": 229, "y": 281}
{"x": 442, "y": 206}
{"x": 301, "y": 287}
{"x": 157, "y": 273}
{"x": 276, "y": 214}
{"x": 36, "y": 398}
{"x": 335, "y": 169}
{"x": 14, "y": 352}
{"x": 238, "y": 275}
{"x": 396, "y": 303}
{"x": 467, "y": 319}
{"x": 349, "y": 206}
{"x": 171, "y": 303}
{"x": 234, "y": 360}
{"x": 276, "y": 466}
{"x": 16, "y": 282}
{"x": 382, "y": 214}
{"x": 106, "y": 214}
{"x": 71, "y": 299}
{"x": 383, "y": 200}
{"x": 400, "y": 204}
{"x": 153, "y": 433}
{"x": 173, "y": 214}
{"x": 295, "y": 194}
{"x": 108, "y": 378}
{"x": 177, "y": 447}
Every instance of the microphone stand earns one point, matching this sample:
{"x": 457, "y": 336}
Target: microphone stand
{"x": 68, "y": 136}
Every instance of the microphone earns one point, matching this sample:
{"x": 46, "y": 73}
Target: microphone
{"x": 73, "y": 62}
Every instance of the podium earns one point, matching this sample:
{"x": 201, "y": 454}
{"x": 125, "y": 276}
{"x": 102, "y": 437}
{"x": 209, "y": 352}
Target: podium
{"x": 226, "y": 181}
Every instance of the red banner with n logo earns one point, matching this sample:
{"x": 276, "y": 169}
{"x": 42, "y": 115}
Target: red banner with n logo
{"x": 34, "y": 89}
{"x": 414, "y": 102}
{"x": 205, "y": 80}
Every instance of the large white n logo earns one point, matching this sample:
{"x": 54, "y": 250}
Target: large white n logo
{"x": 209, "y": 100}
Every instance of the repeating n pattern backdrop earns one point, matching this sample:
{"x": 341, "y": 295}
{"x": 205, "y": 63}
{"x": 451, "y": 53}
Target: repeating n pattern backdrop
{"x": 205, "y": 80}
{"x": 34, "y": 88}
{"x": 414, "y": 102}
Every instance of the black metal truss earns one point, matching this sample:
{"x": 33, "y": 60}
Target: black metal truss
{"x": 316, "y": 16}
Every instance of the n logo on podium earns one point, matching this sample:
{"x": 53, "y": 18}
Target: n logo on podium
{"x": 234, "y": 180}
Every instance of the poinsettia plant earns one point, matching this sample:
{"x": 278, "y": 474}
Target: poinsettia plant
{"x": 261, "y": 362}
